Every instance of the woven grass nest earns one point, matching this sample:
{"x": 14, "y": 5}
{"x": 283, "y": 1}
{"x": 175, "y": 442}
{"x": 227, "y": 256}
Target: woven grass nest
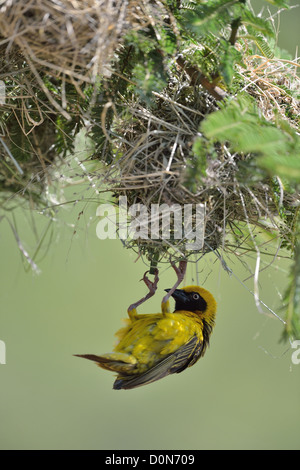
{"x": 153, "y": 147}
{"x": 154, "y": 164}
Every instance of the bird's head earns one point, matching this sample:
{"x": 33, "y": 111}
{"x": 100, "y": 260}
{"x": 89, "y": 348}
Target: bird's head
{"x": 195, "y": 299}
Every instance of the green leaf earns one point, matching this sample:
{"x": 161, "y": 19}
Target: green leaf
{"x": 256, "y": 23}
{"x": 262, "y": 45}
{"x": 240, "y": 124}
{"x": 279, "y": 3}
{"x": 211, "y": 16}
{"x": 233, "y": 118}
{"x": 283, "y": 165}
{"x": 228, "y": 59}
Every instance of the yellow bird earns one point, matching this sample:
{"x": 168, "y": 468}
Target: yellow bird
{"x": 152, "y": 346}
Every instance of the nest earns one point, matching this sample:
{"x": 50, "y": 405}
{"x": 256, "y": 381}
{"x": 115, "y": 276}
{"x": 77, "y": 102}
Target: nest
{"x": 70, "y": 38}
{"x": 49, "y": 51}
{"x": 155, "y": 165}
{"x": 73, "y": 44}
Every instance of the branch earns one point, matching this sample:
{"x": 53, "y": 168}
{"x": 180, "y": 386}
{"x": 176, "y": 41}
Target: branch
{"x": 197, "y": 78}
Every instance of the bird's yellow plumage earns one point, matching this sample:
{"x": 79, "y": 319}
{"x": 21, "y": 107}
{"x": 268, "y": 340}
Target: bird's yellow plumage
{"x": 153, "y": 346}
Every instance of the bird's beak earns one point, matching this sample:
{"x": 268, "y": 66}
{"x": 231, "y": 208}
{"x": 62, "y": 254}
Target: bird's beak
{"x": 179, "y": 294}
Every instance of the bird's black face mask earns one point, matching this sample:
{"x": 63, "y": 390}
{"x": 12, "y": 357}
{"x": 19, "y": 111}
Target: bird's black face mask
{"x": 190, "y": 301}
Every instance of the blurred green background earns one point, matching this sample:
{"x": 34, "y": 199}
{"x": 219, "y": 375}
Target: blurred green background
{"x": 244, "y": 394}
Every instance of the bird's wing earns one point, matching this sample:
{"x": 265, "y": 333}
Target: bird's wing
{"x": 176, "y": 362}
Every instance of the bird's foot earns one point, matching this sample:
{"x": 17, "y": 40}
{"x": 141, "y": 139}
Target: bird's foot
{"x": 152, "y": 286}
{"x": 180, "y": 272}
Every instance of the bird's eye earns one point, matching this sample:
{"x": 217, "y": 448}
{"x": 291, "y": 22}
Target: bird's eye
{"x": 196, "y": 296}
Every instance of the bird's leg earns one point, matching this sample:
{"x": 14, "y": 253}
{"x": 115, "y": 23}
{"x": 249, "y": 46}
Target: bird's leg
{"x": 180, "y": 271}
{"x": 152, "y": 286}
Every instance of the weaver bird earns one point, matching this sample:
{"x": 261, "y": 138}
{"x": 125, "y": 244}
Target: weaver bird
{"x": 152, "y": 346}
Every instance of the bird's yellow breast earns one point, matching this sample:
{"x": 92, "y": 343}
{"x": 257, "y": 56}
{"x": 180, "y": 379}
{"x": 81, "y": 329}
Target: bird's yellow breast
{"x": 149, "y": 338}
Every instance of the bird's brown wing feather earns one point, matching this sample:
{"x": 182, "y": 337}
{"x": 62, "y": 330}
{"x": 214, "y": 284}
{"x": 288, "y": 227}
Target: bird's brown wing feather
{"x": 174, "y": 363}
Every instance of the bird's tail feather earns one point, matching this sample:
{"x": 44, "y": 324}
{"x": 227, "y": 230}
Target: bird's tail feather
{"x": 120, "y": 363}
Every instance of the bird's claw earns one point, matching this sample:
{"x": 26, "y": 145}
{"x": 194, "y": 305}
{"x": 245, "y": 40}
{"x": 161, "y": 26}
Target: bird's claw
{"x": 180, "y": 272}
{"x": 152, "y": 285}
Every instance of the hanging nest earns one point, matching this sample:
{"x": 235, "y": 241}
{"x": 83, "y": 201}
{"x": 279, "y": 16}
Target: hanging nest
{"x": 52, "y": 53}
{"x": 155, "y": 164}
